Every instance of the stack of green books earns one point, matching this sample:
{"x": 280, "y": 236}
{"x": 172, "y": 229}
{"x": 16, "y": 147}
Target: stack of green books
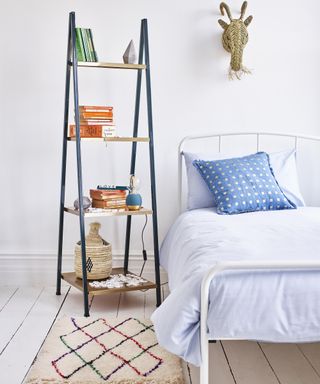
{"x": 84, "y": 45}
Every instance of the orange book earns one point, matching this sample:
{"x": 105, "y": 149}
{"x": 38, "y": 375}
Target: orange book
{"x": 95, "y": 108}
{"x": 86, "y": 130}
{"x": 106, "y": 122}
{"x": 99, "y": 194}
{"x": 96, "y": 115}
{"x": 105, "y": 204}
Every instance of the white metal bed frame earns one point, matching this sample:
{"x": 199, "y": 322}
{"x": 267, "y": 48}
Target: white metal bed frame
{"x": 236, "y": 265}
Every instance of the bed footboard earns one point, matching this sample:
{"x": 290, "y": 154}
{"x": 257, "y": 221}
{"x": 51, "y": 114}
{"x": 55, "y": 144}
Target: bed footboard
{"x": 234, "y": 265}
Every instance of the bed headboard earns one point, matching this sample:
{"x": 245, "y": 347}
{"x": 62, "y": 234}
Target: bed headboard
{"x": 259, "y": 141}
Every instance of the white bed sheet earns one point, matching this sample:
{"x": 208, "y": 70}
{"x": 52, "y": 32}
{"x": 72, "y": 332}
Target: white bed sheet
{"x": 276, "y": 306}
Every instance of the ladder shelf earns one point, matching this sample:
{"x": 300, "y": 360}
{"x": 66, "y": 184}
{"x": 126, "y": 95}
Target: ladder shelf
{"x": 72, "y": 66}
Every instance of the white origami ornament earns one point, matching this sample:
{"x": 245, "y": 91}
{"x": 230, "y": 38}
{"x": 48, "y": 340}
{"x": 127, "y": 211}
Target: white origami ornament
{"x": 130, "y": 56}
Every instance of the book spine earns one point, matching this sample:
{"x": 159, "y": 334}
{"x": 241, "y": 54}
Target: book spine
{"x": 95, "y": 108}
{"x": 90, "y": 45}
{"x": 108, "y": 122}
{"x": 103, "y": 204}
{"x": 93, "y": 49}
{"x": 97, "y": 196}
{"x": 109, "y": 192}
{"x": 96, "y": 115}
{"x": 107, "y": 198}
{"x": 86, "y": 131}
{"x": 79, "y": 46}
{"x": 113, "y": 187}
{"x": 85, "y": 45}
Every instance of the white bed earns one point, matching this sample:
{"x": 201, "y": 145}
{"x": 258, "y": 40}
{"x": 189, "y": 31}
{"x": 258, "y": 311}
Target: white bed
{"x": 274, "y": 295}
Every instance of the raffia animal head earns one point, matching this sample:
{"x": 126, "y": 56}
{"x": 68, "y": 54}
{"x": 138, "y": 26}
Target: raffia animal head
{"x": 235, "y": 38}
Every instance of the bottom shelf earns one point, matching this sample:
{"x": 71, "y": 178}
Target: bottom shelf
{"x": 71, "y": 278}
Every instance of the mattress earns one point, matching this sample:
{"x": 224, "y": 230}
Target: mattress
{"x": 275, "y": 306}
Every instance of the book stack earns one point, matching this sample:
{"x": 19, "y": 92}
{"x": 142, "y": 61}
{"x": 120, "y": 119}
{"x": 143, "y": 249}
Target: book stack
{"x": 84, "y": 45}
{"x": 95, "y": 121}
{"x": 108, "y": 199}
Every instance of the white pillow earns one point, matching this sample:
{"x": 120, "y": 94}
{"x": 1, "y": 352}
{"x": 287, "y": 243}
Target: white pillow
{"x": 282, "y": 163}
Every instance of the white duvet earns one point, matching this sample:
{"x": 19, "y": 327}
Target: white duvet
{"x": 271, "y": 306}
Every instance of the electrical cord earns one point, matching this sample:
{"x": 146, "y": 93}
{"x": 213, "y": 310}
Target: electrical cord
{"x": 144, "y": 252}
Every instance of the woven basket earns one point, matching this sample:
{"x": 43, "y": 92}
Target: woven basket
{"x": 99, "y": 251}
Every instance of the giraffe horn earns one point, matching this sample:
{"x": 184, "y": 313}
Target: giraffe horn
{"x": 224, "y": 6}
{"x": 243, "y": 9}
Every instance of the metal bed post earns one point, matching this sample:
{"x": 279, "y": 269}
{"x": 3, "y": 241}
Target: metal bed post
{"x": 134, "y": 144}
{"x": 64, "y": 160}
{"x": 79, "y": 166}
{"x": 152, "y": 166}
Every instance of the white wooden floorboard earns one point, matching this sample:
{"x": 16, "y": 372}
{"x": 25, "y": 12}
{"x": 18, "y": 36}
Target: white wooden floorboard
{"x": 6, "y": 294}
{"x": 105, "y": 305}
{"x": 27, "y": 314}
{"x": 150, "y": 303}
{"x": 132, "y": 304}
{"x": 23, "y": 348}
{"x": 73, "y": 305}
{"x": 14, "y": 313}
{"x": 248, "y": 363}
{"x": 219, "y": 370}
{"x": 289, "y": 364}
{"x": 312, "y": 353}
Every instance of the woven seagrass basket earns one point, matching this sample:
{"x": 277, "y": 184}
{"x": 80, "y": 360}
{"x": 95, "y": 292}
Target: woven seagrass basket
{"x": 98, "y": 255}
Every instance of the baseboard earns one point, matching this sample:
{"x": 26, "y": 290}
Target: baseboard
{"x": 40, "y": 267}
{"x": 69, "y": 254}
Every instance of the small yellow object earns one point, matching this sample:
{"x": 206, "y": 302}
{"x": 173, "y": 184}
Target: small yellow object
{"x": 134, "y": 207}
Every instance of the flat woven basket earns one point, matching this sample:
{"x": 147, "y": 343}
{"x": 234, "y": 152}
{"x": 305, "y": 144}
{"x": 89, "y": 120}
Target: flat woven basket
{"x": 98, "y": 256}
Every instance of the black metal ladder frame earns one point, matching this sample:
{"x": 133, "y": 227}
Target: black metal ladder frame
{"x": 73, "y": 62}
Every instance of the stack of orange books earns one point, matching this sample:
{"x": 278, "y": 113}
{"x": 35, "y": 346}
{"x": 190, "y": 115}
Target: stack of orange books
{"x": 95, "y": 121}
{"x": 111, "y": 199}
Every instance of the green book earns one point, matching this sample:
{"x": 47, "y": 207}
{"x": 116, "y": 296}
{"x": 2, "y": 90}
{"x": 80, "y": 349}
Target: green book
{"x": 85, "y": 44}
{"x": 94, "y": 54}
{"x": 89, "y": 44}
{"x": 79, "y": 46}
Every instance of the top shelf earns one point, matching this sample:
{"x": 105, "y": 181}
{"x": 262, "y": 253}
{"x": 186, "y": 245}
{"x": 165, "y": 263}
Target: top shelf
{"x": 94, "y": 64}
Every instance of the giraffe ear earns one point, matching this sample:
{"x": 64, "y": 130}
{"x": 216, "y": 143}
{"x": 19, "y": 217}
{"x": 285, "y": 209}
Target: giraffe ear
{"x": 223, "y": 24}
{"x": 248, "y": 21}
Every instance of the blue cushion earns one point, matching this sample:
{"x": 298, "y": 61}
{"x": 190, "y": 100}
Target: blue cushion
{"x": 243, "y": 184}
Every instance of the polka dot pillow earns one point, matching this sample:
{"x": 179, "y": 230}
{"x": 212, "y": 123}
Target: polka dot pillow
{"x": 243, "y": 184}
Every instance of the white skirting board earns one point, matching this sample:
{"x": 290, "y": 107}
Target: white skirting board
{"x": 40, "y": 268}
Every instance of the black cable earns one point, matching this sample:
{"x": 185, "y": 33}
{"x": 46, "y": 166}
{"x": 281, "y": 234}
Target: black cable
{"x": 144, "y": 252}
{"x": 142, "y": 233}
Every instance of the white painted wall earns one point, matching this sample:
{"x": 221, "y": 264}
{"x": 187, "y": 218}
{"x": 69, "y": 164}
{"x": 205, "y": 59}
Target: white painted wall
{"x": 191, "y": 94}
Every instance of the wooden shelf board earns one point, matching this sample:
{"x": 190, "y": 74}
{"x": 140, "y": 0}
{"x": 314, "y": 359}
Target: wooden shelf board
{"x": 71, "y": 278}
{"x": 113, "y": 139}
{"x": 142, "y": 211}
{"x": 110, "y": 65}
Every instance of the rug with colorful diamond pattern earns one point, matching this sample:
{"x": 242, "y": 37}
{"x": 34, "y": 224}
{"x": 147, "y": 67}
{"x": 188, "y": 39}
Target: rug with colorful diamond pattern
{"x": 104, "y": 350}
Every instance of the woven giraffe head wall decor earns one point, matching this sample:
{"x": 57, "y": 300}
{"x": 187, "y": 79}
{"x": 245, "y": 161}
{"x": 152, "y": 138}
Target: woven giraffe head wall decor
{"x": 235, "y": 38}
